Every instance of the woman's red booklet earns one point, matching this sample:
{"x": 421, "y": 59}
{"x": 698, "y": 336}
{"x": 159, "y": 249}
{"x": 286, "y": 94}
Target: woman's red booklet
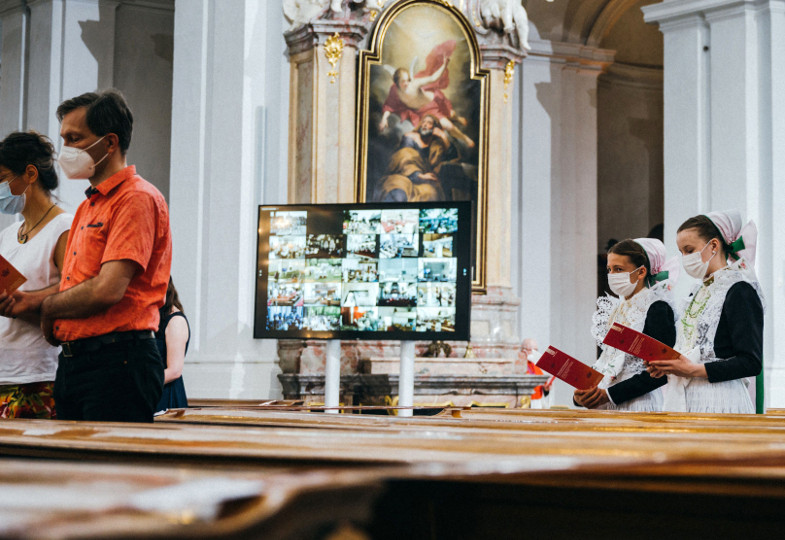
{"x": 633, "y": 342}
{"x": 568, "y": 369}
{"x": 10, "y": 278}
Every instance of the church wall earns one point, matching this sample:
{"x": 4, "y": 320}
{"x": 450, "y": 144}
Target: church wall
{"x": 555, "y": 197}
{"x": 629, "y": 153}
{"x": 723, "y": 131}
{"x": 229, "y": 118}
{"x": 222, "y": 76}
{"x": 52, "y": 51}
{"x": 143, "y": 70}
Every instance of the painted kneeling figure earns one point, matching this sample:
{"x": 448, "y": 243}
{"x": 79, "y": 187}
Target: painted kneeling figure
{"x": 642, "y": 276}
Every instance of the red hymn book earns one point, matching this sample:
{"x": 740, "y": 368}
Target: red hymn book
{"x": 633, "y": 342}
{"x": 568, "y": 369}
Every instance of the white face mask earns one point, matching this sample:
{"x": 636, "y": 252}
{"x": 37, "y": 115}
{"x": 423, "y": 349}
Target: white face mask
{"x": 76, "y": 163}
{"x": 10, "y": 203}
{"x": 532, "y": 356}
{"x": 620, "y": 283}
{"x": 694, "y": 265}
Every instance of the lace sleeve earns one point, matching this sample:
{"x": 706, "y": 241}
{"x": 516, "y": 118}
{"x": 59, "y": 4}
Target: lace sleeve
{"x": 605, "y": 307}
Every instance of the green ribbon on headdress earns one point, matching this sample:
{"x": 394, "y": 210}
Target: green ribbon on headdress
{"x": 662, "y": 276}
{"x": 737, "y": 246}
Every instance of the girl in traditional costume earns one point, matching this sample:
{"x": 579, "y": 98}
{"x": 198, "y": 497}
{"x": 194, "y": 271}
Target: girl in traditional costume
{"x": 640, "y": 273}
{"x": 720, "y": 330}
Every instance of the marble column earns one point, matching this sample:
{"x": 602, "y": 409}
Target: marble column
{"x": 494, "y": 329}
{"x": 724, "y": 131}
{"x": 321, "y": 161}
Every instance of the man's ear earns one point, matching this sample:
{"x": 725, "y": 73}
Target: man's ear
{"x": 113, "y": 142}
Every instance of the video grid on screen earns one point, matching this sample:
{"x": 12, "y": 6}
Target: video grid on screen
{"x": 356, "y": 271}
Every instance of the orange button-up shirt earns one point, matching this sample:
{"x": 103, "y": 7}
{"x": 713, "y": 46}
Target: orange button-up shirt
{"x": 124, "y": 218}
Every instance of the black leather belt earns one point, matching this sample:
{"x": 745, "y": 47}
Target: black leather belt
{"x": 92, "y": 344}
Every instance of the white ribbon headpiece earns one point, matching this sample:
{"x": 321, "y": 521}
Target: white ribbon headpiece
{"x": 742, "y": 240}
{"x": 662, "y": 268}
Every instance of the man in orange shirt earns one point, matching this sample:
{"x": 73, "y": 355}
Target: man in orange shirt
{"x": 529, "y": 352}
{"x": 115, "y": 272}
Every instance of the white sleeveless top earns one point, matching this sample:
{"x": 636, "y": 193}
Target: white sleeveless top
{"x": 25, "y": 356}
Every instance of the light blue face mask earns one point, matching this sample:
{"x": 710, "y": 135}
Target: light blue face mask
{"x": 10, "y": 203}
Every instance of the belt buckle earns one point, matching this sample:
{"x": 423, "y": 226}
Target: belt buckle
{"x": 67, "y": 353}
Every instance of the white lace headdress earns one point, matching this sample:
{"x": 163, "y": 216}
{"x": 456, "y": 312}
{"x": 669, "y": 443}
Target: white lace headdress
{"x": 742, "y": 240}
{"x": 662, "y": 268}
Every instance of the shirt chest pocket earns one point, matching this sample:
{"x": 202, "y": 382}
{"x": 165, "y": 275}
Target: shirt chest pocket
{"x": 89, "y": 247}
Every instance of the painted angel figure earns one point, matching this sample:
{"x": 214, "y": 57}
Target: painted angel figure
{"x": 412, "y": 98}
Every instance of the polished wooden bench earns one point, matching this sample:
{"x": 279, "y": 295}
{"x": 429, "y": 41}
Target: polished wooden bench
{"x": 463, "y": 473}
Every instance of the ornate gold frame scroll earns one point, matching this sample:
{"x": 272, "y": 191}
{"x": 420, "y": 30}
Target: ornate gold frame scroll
{"x": 421, "y": 33}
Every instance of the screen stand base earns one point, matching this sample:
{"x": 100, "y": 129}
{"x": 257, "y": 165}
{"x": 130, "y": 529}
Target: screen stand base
{"x": 406, "y": 379}
{"x": 332, "y": 375}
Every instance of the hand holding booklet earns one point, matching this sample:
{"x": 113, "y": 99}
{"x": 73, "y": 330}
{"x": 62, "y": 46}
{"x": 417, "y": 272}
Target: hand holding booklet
{"x": 568, "y": 369}
{"x": 10, "y": 278}
{"x": 637, "y": 344}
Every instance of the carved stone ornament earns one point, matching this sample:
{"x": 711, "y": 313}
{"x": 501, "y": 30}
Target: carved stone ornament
{"x": 509, "y": 16}
{"x": 333, "y": 48}
{"x": 502, "y": 26}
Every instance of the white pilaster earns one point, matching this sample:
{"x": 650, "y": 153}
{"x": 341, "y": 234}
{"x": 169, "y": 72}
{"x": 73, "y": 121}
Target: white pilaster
{"x": 87, "y": 55}
{"x": 218, "y": 179}
{"x": 45, "y": 75}
{"x": 724, "y": 128}
{"x": 13, "y": 39}
{"x": 13, "y": 18}
{"x": 555, "y": 250}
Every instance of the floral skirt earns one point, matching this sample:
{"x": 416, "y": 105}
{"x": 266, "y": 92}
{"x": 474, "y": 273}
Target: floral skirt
{"x": 32, "y": 400}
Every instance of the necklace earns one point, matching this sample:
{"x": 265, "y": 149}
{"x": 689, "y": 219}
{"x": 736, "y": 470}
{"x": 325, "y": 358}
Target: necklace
{"x": 22, "y": 237}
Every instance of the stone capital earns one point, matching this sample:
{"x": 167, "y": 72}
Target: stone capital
{"x": 672, "y": 13}
{"x": 311, "y": 35}
{"x": 497, "y": 56}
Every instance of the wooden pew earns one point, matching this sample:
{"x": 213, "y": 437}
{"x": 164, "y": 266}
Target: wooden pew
{"x": 471, "y": 472}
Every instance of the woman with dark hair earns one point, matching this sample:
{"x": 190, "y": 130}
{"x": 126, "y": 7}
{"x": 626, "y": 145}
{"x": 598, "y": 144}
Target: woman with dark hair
{"x": 720, "y": 332}
{"x": 640, "y": 273}
{"x": 172, "y": 338}
{"x": 36, "y": 248}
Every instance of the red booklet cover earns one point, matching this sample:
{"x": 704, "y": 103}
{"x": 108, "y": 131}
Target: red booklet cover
{"x": 10, "y": 278}
{"x": 568, "y": 369}
{"x": 633, "y": 342}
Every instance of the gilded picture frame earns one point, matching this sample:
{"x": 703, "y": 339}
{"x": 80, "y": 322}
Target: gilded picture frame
{"x": 422, "y": 114}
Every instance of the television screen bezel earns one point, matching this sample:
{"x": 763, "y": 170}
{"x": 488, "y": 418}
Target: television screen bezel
{"x": 463, "y": 285}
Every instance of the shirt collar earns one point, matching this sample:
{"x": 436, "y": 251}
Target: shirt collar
{"x": 112, "y": 182}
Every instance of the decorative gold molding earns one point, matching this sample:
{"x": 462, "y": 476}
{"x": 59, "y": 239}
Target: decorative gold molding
{"x": 333, "y": 49}
{"x": 509, "y": 73}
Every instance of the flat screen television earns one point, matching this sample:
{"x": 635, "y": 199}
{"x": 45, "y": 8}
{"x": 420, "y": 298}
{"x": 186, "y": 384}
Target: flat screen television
{"x": 364, "y": 271}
